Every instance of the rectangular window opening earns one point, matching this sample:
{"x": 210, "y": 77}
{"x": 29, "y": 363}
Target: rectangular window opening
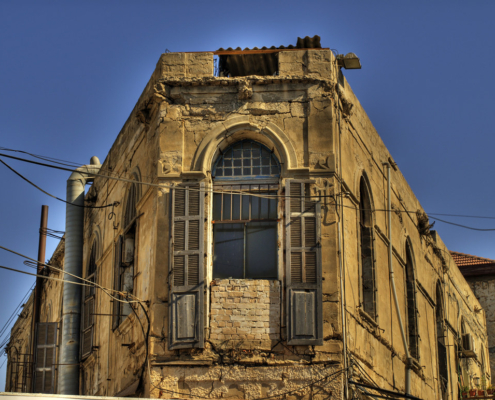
{"x": 245, "y": 231}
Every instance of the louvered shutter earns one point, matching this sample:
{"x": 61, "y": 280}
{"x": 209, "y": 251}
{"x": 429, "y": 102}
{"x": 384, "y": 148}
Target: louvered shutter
{"x": 303, "y": 265}
{"x": 44, "y": 369}
{"x": 186, "y": 278}
{"x": 88, "y": 319}
{"x": 116, "y": 283}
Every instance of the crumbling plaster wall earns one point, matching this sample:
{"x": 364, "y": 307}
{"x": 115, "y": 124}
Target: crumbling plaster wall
{"x": 378, "y": 347}
{"x": 293, "y": 114}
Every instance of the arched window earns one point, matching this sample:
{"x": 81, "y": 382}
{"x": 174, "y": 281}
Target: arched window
{"x": 368, "y": 286}
{"x": 441, "y": 343}
{"x": 245, "y": 213}
{"x": 124, "y": 267}
{"x": 89, "y": 304}
{"x": 412, "y": 313}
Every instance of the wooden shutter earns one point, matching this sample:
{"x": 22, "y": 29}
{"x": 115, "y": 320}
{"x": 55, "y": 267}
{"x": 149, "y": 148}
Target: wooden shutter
{"x": 44, "y": 368}
{"x": 186, "y": 277}
{"x": 116, "y": 283}
{"x": 303, "y": 265}
{"x": 88, "y": 319}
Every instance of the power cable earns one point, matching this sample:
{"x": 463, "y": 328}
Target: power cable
{"x": 45, "y": 158}
{"x": 7, "y": 324}
{"x": 51, "y": 195}
{"x": 88, "y": 282}
{"x": 212, "y": 191}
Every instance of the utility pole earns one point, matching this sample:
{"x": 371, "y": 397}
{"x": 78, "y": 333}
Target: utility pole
{"x": 37, "y": 288}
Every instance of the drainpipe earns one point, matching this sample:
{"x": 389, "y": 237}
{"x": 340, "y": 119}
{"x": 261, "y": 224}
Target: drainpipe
{"x": 71, "y": 306}
{"x": 392, "y": 281}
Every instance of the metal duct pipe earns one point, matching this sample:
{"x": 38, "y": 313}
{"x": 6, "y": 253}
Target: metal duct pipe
{"x": 392, "y": 281}
{"x": 68, "y": 380}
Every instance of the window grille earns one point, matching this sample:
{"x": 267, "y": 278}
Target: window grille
{"x": 245, "y": 231}
{"x": 246, "y": 160}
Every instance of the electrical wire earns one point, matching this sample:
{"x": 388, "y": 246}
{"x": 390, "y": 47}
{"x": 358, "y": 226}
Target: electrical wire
{"x": 9, "y": 321}
{"x": 237, "y": 192}
{"x": 88, "y": 282}
{"x": 51, "y": 195}
{"x": 45, "y": 158}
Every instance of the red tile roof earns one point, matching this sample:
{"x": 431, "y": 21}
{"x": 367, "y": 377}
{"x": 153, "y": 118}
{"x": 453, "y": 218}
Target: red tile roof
{"x": 462, "y": 259}
{"x": 473, "y": 265}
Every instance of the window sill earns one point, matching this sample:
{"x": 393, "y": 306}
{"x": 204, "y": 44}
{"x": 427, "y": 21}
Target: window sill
{"x": 364, "y": 315}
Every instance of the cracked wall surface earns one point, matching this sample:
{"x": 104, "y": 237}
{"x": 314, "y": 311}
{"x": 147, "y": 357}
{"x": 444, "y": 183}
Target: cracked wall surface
{"x": 314, "y": 125}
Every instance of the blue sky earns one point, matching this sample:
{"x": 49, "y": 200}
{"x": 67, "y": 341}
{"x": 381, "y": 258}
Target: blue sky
{"x": 71, "y": 72}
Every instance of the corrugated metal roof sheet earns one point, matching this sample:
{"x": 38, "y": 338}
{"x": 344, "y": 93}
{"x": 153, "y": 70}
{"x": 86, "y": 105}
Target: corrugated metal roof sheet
{"x": 262, "y": 63}
{"x": 306, "y": 43}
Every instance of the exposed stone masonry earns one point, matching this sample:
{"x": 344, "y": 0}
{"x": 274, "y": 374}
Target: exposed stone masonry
{"x": 243, "y": 309}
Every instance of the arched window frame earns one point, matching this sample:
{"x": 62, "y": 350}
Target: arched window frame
{"x": 411, "y": 302}
{"x": 366, "y": 250}
{"x": 126, "y": 253}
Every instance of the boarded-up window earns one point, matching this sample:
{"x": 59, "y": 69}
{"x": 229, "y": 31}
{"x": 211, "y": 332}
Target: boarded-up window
{"x": 186, "y": 280}
{"x": 303, "y": 265}
{"x": 89, "y": 306}
{"x": 368, "y": 285}
{"x": 412, "y": 313}
{"x": 45, "y": 357}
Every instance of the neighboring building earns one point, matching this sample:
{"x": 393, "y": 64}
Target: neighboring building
{"x": 241, "y": 198}
{"x": 480, "y": 274}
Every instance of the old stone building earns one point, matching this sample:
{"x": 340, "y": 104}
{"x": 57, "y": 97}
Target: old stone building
{"x": 480, "y": 274}
{"x": 249, "y": 236}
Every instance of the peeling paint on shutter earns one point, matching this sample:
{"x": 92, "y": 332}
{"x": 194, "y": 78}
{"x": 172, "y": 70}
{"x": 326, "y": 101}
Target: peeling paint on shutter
{"x": 186, "y": 280}
{"x": 46, "y": 342}
{"x": 303, "y": 265}
{"x": 116, "y": 282}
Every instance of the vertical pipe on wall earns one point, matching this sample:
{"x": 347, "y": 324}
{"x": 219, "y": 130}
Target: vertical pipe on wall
{"x": 71, "y": 306}
{"x": 392, "y": 282}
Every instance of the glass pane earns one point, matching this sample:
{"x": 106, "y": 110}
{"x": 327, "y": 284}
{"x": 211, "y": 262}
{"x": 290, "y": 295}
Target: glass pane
{"x": 255, "y": 207}
{"x": 229, "y": 251}
{"x": 261, "y": 250}
{"x": 226, "y": 206}
{"x": 263, "y": 208}
{"x": 272, "y": 206}
{"x": 245, "y": 207}
{"x": 236, "y": 206}
{"x": 217, "y": 206}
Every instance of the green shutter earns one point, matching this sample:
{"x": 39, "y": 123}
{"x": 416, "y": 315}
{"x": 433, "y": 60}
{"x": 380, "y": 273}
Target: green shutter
{"x": 186, "y": 278}
{"x": 303, "y": 265}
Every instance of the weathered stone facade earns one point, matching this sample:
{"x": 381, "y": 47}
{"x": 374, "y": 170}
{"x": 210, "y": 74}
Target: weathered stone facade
{"x": 283, "y": 336}
{"x": 480, "y": 274}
